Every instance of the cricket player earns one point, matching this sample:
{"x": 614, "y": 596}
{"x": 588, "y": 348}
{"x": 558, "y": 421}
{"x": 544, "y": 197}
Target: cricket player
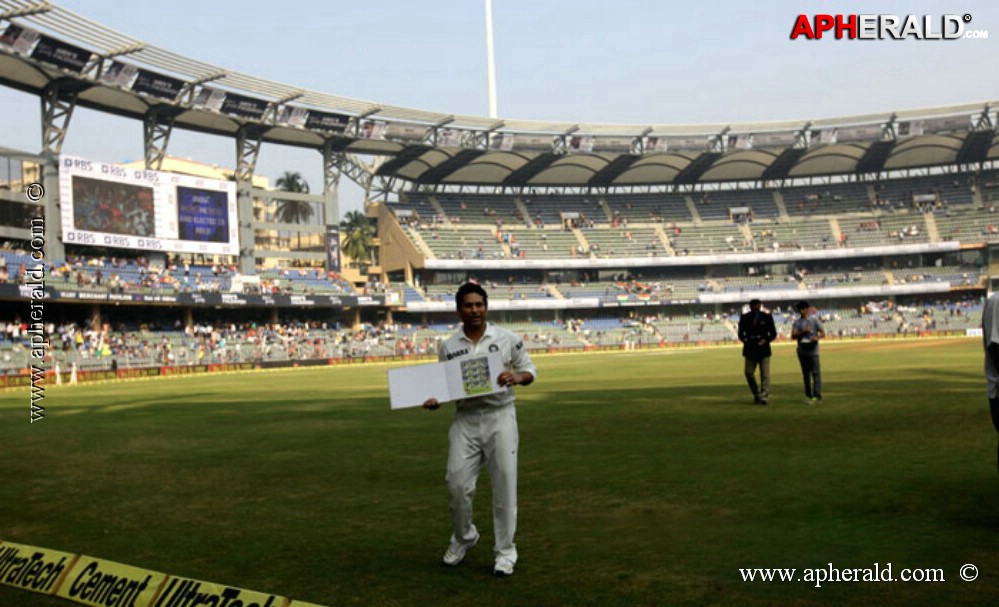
{"x": 484, "y": 431}
{"x": 990, "y": 335}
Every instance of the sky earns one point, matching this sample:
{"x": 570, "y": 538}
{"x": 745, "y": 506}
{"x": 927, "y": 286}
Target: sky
{"x": 622, "y": 61}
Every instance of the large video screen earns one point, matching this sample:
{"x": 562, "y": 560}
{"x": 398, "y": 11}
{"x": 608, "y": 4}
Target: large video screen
{"x": 202, "y": 215}
{"x": 116, "y": 208}
{"x": 108, "y": 205}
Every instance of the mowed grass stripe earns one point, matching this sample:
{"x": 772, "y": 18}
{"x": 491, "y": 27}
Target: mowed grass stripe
{"x": 644, "y": 480}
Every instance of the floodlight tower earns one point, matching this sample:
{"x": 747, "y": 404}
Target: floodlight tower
{"x": 491, "y": 60}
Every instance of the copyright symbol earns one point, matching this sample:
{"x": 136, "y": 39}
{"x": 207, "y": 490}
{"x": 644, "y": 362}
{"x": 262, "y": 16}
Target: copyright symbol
{"x": 969, "y": 573}
{"x": 967, "y": 17}
{"x": 34, "y": 192}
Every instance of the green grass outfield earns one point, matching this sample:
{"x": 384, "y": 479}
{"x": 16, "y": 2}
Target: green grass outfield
{"x": 645, "y": 479}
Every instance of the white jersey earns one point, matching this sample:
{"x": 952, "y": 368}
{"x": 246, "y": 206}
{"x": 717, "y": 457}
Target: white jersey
{"x": 990, "y": 335}
{"x": 495, "y": 339}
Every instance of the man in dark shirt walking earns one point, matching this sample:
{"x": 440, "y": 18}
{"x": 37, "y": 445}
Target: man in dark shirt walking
{"x": 756, "y": 331}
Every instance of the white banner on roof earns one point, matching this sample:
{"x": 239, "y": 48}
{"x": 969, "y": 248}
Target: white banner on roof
{"x": 511, "y": 304}
{"x": 692, "y": 260}
{"x": 826, "y": 293}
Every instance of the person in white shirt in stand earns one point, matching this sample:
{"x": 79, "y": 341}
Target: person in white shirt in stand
{"x": 484, "y": 431}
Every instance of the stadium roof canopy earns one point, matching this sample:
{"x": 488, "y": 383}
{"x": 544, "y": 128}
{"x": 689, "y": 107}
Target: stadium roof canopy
{"x": 48, "y": 50}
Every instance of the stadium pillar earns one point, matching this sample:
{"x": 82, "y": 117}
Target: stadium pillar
{"x": 55, "y": 250}
{"x": 357, "y": 318}
{"x": 331, "y": 189}
{"x": 274, "y": 316}
{"x": 244, "y": 210}
{"x": 188, "y": 318}
{"x": 248, "y": 139}
{"x": 95, "y": 317}
{"x": 409, "y": 273}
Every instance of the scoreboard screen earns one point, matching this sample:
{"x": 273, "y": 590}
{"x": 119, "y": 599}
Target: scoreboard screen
{"x": 108, "y": 205}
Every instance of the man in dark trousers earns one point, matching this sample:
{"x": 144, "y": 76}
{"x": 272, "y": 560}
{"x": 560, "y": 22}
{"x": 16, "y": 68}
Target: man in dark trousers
{"x": 756, "y": 331}
{"x": 808, "y": 330}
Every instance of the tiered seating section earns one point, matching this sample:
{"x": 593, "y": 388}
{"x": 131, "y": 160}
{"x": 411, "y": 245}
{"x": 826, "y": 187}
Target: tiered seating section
{"x": 717, "y": 205}
{"x": 138, "y": 276}
{"x": 792, "y": 236}
{"x": 829, "y": 200}
{"x": 709, "y": 239}
{"x": 650, "y": 208}
{"x": 479, "y": 209}
{"x": 547, "y": 210}
{"x": 834, "y": 215}
{"x": 445, "y": 292}
{"x": 626, "y": 242}
{"x": 545, "y": 244}
{"x": 132, "y": 346}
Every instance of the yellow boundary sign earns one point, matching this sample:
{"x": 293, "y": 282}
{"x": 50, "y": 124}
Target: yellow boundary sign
{"x": 95, "y": 582}
{"x": 102, "y": 583}
{"x": 30, "y": 568}
{"x": 180, "y": 592}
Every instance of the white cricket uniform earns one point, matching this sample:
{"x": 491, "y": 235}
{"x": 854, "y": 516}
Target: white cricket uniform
{"x": 990, "y": 335}
{"x": 484, "y": 430}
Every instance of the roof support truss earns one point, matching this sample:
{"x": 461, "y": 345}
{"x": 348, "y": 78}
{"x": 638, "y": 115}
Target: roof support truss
{"x": 157, "y": 125}
{"x": 638, "y": 143}
{"x": 58, "y": 102}
{"x": 985, "y": 121}
{"x": 248, "y": 140}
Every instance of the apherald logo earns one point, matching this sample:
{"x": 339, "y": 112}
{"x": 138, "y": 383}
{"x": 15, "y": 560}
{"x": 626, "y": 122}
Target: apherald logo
{"x": 885, "y": 27}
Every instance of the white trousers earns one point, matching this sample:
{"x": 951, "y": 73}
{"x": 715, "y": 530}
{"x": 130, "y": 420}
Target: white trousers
{"x": 487, "y": 435}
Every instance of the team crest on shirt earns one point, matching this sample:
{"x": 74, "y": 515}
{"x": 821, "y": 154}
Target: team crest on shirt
{"x": 493, "y": 348}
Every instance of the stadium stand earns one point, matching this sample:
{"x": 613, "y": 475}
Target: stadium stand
{"x": 479, "y": 209}
{"x": 792, "y": 235}
{"x": 650, "y": 208}
{"x": 718, "y": 205}
{"x": 968, "y": 225}
{"x": 832, "y": 199}
{"x": 709, "y": 239}
{"x": 696, "y": 328}
{"x": 884, "y": 230}
{"x": 587, "y": 211}
{"x": 545, "y": 243}
{"x": 945, "y": 190}
{"x": 753, "y": 285}
{"x": 465, "y": 243}
{"x": 626, "y": 242}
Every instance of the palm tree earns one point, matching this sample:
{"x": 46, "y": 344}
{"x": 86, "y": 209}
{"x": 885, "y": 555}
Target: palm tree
{"x": 292, "y": 181}
{"x": 357, "y": 235}
{"x": 294, "y": 211}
